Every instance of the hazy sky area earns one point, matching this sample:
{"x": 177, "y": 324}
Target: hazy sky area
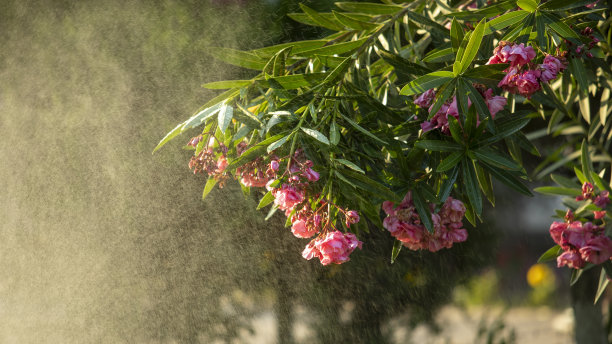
{"x": 101, "y": 241}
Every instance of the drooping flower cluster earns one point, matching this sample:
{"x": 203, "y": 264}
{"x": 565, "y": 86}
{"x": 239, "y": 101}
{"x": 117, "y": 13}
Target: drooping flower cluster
{"x": 581, "y": 50}
{"x": 601, "y": 201}
{"x": 440, "y": 119}
{"x": 206, "y": 160}
{"x": 523, "y": 76}
{"x": 404, "y": 223}
{"x": 332, "y": 247}
{"x": 581, "y": 243}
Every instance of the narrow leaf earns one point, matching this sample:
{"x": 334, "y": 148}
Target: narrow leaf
{"x": 550, "y": 254}
{"x": 423, "y": 209}
{"x": 278, "y": 143}
{"x": 397, "y": 247}
{"x": 226, "y": 113}
{"x": 363, "y": 130}
{"x": 350, "y": 165}
{"x": 316, "y": 134}
{"x": 555, "y": 190}
{"x": 265, "y": 200}
{"x": 470, "y": 185}
{"x": 210, "y": 184}
{"x": 449, "y": 162}
{"x": 473, "y": 45}
{"x": 426, "y": 82}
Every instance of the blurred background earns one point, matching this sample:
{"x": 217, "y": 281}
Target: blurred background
{"x": 100, "y": 241}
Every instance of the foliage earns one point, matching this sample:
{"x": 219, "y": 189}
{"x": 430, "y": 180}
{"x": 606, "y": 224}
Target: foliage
{"x": 354, "y": 118}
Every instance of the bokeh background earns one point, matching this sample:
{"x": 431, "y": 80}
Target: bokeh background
{"x": 101, "y": 241}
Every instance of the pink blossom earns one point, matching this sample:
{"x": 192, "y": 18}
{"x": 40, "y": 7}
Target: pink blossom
{"x": 520, "y": 55}
{"x": 587, "y": 192}
{"x": 597, "y": 249}
{"x": 570, "y": 259}
{"x": 453, "y": 210}
{"x": 311, "y": 174}
{"x": 494, "y": 103}
{"x": 425, "y": 99}
{"x": 599, "y": 214}
{"x": 351, "y": 217}
{"x": 528, "y": 83}
{"x": 577, "y": 234}
{"x": 556, "y": 231}
{"x": 287, "y": 197}
{"x": 221, "y": 164}
{"x": 274, "y": 165}
{"x": 335, "y": 247}
{"x": 592, "y": 5}
{"x": 301, "y": 229}
{"x": 602, "y": 199}
{"x": 551, "y": 66}
{"x": 258, "y": 180}
{"x": 508, "y": 83}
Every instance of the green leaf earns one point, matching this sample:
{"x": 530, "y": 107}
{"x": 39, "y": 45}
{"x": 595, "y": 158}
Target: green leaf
{"x": 455, "y": 129}
{"x": 484, "y": 71}
{"x": 579, "y": 72}
{"x": 496, "y": 159}
{"x": 554, "y": 190}
{"x": 291, "y": 82}
{"x": 575, "y": 276}
{"x": 253, "y": 152}
{"x": 338, "y": 71}
{"x": 505, "y": 20}
{"x": 508, "y": 179}
{"x": 527, "y": 5}
{"x": 210, "y": 184}
{"x": 368, "y": 7}
{"x": 486, "y": 12}
{"x": 297, "y": 47}
{"x": 316, "y": 134}
{"x": 564, "y": 182}
{"x": 440, "y": 55}
{"x": 169, "y": 136}
{"x": 540, "y": 29}
{"x": 226, "y": 113}
{"x": 580, "y": 175}
{"x": 366, "y": 183}
{"x": 238, "y": 58}
{"x": 423, "y": 209}
{"x": 265, "y": 200}
{"x": 505, "y": 129}
{"x": 442, "y": 95}
{"x": 557, "y": 25}
{"x": 426, "y": 82}
{"x": 397, "y": 247}
{"x": 321, "y": 20}
{"x": 603, "y": 284}
{"x": 403, "y": 66}
{"x": 221, "y": 85}
{"x": 350, "y": 165}
{"x": 456, "y": 35}
{"x": 599, "y": 182}
{"x": 473, "y": 45}
{"x": 278, "y": 143}
{"x": 563, "y": 4}
{"x": 470, "y": 185}
{"x": 334, "y": 133}
{"x": 447, "y": 186}
{"x": 354, "y": 24}
{"x": 363, "y": 130}
{"x": 585, "y": 160}
{"x": 486, "y": 185}
{"x": 334, "y": 49}
{"x": 550, "y": 254}
{"x": 438, "y": 145}
{"x": 200, "y": 117}
{"x": 449, "y": 162}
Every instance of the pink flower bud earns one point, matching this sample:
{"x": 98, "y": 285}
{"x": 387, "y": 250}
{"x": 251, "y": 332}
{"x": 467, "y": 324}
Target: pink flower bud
{"x": 274, "y": 165}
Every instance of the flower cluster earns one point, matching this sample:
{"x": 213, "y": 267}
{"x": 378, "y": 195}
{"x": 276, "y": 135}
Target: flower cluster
{"x": 581, "y": 50}
{"x": 206, "y": 160}
{"x": 332, "y": 247}
{"x": 523, "y": 76}
{"x": 405, "y": 225}
{"x": 440, "y": 119}
{"x": 601, "y": 201}
{"x": 292, "y": 194}
{"x": 581, "y": 243}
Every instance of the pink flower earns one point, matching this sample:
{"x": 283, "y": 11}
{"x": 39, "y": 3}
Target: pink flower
{"x": 556, "y": 231}
{"x": 334, "y": 248}
{"x": 453, "y": 210}
{"x": 592, "y": 5}
{"x": 597, "y": 250}
{"x": 301, "y": 229}
{"x": 528, "y": 83}
{"x": 425, "y": 99}
{"x": 508, "y": 83}
{"x": 551, "y": 66}
{"x": 602, "y": 200}
{"x": 221, "y": 164}
{"x": 287, "y": 197}
{"x": 570, "y": 259}
{"x": 274, "y": 165}
{"x": 351, "y": 217}
{"x": 494, "y": 103}
{"x": 520, "y": 55}
{"x": 599, "y": 214}
{"x": 311, "y": 174}
{"x": 577, "y": 234}
{"x": 587, "y": 192}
